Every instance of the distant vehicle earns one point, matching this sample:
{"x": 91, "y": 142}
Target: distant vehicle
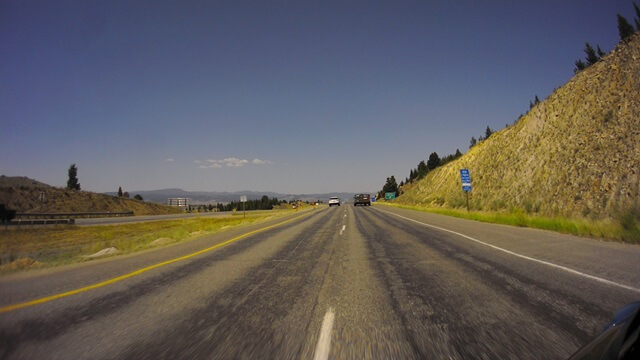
{"x": 334, "y": 201}
{"x": 362, "y": 199}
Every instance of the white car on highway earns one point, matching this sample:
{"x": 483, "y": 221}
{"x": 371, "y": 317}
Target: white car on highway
{"x": 334, "y": 201}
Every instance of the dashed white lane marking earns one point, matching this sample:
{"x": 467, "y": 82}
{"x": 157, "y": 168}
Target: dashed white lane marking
{"x": 560, "y": 267}
{"x": 343, "y": 228}
{"x": 324, "y": 342}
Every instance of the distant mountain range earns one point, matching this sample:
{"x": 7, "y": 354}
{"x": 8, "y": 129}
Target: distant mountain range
{"x": 23, "y": 194}
{"x": 213, "y": 197}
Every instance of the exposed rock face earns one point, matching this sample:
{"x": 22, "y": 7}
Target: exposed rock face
{"x": 577, "y": 153}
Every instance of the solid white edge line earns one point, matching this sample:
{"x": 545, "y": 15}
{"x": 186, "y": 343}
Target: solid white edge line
{"x": 324, "y": 342}
{"x": 569, "y": 270}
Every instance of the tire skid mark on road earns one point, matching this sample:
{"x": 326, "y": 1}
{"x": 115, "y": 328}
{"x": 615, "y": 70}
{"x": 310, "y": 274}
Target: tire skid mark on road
{"x": 240, "y": 320}
{"x": 519, "y": 287}
{"x": 385, "y": 271}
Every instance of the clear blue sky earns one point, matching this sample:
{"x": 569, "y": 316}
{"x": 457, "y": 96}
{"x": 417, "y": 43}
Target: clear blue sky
{"x": 297, "y": 96}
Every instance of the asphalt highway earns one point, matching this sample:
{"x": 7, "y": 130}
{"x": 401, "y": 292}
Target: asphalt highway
{"x": 341, "y": 282}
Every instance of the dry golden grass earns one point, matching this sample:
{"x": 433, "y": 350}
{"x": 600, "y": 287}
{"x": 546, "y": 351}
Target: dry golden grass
{"x": 46, "y": 247}
{"x": 605, "y": 229}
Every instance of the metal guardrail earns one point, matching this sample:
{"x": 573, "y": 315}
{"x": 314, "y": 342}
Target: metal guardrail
{"x": 41, "y": 222}
{"x": 72, "y": 215}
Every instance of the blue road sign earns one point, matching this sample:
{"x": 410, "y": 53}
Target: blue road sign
{"x": 466, "y": 180}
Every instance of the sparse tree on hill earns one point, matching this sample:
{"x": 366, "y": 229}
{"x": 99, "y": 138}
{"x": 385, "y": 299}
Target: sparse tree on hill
{"x": 592, "y": 56}
{"x": 637, "y": 19}
{"x": 138, "y": 197}
{"x": 119, "y": 191}
{"x": 422, "y": 169}
{"x": 472, "y": 142}
{"x": 126, "y": 194}
{"x": 434, "y": 161}
{"x": 72, "y": 183}
{"x": 390, "y": 186}
{"x": 458, "y": 154}
{"x": 488, "y": 131}
{"x": 580, "y": 65}
{"x": 624, "y": 28}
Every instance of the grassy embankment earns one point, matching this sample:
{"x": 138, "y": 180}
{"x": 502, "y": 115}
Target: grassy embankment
{"x": 626, "y": 229}
{"x": 26, "y": 248}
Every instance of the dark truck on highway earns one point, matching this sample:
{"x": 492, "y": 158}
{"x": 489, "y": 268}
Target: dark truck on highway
{"x": 362, "y": 199}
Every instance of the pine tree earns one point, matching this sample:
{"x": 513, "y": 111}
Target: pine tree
{"x": 488, "y": 131}
{"x": 434, "y": 161}
{"x": 637, "y": 19}
{"x": 458, "y": 154}
{"x": 390, "y": 186}
{"x": 536, "y": 101}
{"x": 139, "y": 197}
{"x": 601, "y": 53}
{"x": 72, "y": 183}
{"x": 119, "y": 191}
{"x": 624, "y": 28}
{"x": 472, "y": 142}
{"x": 580, "y": 65}
{"x": 592, "y": 57}
{"x": 422, "y": 169}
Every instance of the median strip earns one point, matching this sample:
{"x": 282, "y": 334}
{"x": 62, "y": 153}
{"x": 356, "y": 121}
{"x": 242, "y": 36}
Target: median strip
{"x": 139, "y": 271}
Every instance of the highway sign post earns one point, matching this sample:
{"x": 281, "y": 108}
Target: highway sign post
{"x": 389, "y": 196}
{"x": 466, "y": 183}
{"x": 243, "y": 199}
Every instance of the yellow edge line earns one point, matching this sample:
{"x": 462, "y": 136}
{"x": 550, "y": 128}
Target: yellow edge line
{"x": 137, "y": 272}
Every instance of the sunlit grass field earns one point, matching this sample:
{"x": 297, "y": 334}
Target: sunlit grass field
{"x": 44, "y": 247}
{"x": 625, "y": 230}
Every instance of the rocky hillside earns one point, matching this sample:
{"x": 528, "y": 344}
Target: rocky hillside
{"x": 23, "y": 194}
{"x": 575, "y": 154}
